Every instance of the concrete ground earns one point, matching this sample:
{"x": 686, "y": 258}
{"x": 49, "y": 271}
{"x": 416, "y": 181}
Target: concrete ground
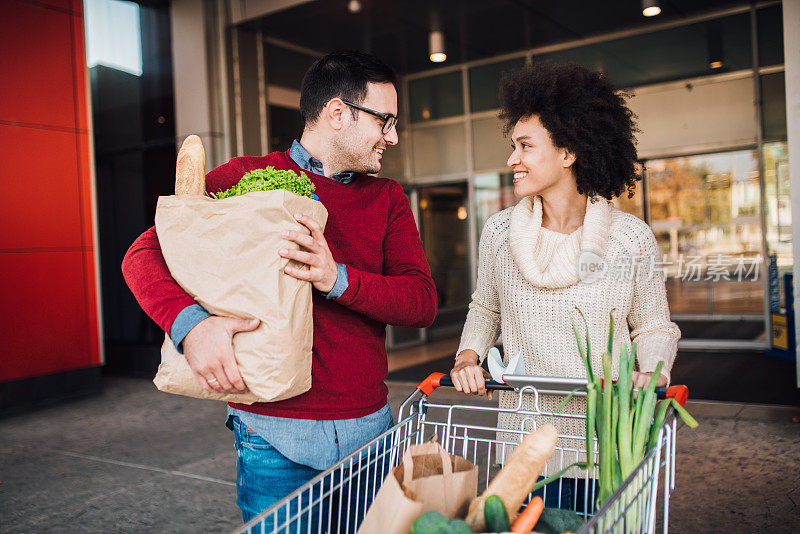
{"x": 137, "y": 460}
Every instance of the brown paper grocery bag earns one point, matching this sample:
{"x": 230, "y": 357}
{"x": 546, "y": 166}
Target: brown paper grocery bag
{"x": 429, "y": 478}
{"x": 224, "y": 253}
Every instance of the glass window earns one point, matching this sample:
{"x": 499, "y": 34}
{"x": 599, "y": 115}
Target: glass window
{"x": 773, "y": 105}
{"x": 704, "y": 211}
{"x": 393, "y": 162}
{"x": 284, "y": 67}
{"x": 670, "y": 54}
{"x": 484, "y": 82}
{"x": 633, "y": 205}
{"x": 491, "y": 147}
{"x": 770, "y": 36}
{"x": 777, "y": 202}
{"x": 439, "y": 150}
{"x": 443, "y": 228}
{"x": 687, "y": 118}
{"x": 436, "y": 97}
{"x": 493, "y": 192}
{"x": 113, "y": 35}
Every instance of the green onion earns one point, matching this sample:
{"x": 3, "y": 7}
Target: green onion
{"x": 661, "y": 414}
{"x": 610, "y": 347}
{"x": 591, "y": 409}
{"x": 626, "y": 425}
{"x": 606, "y": 440}
{"x": 552, "y": 478}
{"x": 624, "y": 428}
{"x": 684, "y": 415}
{"x": 641, "y": 430}
{"x": 586, "y": 355}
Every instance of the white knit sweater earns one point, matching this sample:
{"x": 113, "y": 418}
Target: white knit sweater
{"x": 529, "y": 285}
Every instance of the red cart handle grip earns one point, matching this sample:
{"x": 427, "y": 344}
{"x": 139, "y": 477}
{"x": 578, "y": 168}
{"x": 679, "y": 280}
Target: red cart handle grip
{"x": 429, "y": 384}
{"x": 679, "y": 393}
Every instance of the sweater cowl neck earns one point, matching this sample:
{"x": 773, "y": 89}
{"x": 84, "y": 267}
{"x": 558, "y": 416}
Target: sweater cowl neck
{"x": 546, "y": 261}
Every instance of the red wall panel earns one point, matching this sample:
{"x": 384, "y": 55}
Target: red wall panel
{"x": 37, "y": 65}
{"x": 79, "y": 71}
{"x": 48, "y": 298}
{"x": 45, "y": 327}
{"x": 85, "y": 190}
{"x": 41, "y": 175}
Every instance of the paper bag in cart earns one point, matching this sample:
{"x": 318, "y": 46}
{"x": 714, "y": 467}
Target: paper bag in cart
{"x": 224, "y": 253}
{"x": 429, "y": 478}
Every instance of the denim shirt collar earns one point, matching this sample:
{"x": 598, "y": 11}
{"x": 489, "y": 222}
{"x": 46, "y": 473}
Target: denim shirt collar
{"x": 306, "y": 161}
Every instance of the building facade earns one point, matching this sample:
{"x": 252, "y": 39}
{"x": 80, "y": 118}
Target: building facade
{"x": 711, "y": 82}
{"x": 708, "y": 88}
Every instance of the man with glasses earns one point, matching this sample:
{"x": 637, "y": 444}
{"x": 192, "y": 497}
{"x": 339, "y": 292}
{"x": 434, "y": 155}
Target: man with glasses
{"x": 368, "y": 269}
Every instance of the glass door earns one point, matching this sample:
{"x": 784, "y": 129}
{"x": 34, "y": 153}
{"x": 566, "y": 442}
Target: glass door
{"x": 704, "y": 211}
{"x": 443, "y": 213}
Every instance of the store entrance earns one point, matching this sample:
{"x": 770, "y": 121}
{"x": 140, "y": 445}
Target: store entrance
{"x": 444, "y": 231}
{"x": 705, "y": 213}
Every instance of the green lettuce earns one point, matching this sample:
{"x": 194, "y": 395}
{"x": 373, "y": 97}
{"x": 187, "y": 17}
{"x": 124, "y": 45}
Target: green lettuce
{"x": 270, "y": 179}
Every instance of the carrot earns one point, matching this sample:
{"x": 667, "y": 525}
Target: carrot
{"x": 529, "y": 516}
{"x": 514, "y": 482}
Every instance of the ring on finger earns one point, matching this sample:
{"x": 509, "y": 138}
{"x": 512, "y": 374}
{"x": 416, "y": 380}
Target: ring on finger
{"x": 212, "y": 381}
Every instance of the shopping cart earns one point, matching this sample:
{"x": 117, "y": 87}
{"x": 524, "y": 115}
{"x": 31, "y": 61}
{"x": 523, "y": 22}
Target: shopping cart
{"x": 337, "y": 500}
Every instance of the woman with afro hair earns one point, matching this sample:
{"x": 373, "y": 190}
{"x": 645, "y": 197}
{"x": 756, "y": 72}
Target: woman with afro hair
{"x": 565, "y": 245}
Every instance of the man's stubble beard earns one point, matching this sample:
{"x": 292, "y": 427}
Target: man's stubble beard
{"x": 348, "y": 157}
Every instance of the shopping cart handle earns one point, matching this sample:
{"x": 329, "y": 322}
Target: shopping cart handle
{"x": 434, "y": 380}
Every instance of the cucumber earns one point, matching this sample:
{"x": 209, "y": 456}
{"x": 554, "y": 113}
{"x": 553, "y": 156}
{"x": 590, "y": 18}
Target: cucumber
{"x": 494, "y": 511}
{"x": 429, "y": 523}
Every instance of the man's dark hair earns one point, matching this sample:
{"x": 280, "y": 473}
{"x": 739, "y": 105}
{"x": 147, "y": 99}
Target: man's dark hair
{"x": 584, "y": 113}
{"x": 340, "y": 74}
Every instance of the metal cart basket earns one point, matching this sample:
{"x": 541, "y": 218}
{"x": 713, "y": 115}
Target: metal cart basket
{"x": 337, "y": 500}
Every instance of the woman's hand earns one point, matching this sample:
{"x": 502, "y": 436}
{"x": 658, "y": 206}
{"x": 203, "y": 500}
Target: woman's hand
{"x": 467, "y": 375}
{"x": 640, "y": 380}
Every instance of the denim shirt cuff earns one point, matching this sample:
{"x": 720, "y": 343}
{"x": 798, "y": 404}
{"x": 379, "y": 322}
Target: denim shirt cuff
{"x": 187, "y": 319}
{"x": 341, "y": 284}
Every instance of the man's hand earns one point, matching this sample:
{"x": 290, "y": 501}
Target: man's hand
{"x": 322, "y": 271}
{"x": 467, "y": 375}
{"x": 208, "y": 348}
{"x": 640, "y": 380}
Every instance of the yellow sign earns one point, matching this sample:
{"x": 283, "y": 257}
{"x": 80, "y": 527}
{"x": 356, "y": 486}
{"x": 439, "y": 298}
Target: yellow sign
{"x": 780, "y": 333}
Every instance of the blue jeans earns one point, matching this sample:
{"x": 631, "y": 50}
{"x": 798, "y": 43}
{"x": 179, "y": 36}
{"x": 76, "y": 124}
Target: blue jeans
{"x": 264, "y": 476}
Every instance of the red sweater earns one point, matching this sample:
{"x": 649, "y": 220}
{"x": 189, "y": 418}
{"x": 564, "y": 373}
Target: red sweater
{"x": 372, "y": 231}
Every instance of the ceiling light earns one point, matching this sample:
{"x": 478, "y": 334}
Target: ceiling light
{"x": 461, "y": 213}
{"x": 436, "y": 46}
{"x": 354, "y": 6}
{"x": 650, "y": 8}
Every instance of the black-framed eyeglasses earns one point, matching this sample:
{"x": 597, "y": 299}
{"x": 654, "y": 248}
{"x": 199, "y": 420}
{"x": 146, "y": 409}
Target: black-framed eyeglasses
{"x": 388, "y": 119}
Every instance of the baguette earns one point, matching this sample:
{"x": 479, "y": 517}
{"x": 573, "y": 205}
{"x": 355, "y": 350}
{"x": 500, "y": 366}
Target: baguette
{"x": 513, "y": 483}
{"x": 190, "y": 170}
